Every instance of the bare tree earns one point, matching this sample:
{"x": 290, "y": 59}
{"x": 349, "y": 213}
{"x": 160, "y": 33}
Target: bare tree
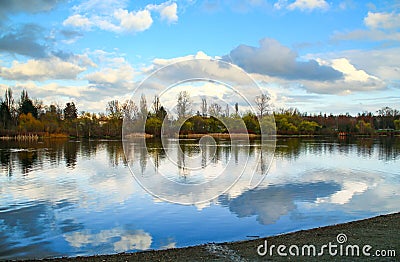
{"x": 130, "y": 110}
{"x": 156, "y": 104}
{"x": 184, "y": 104}
{"x": 227, "y": 110}
{"x": 143, "y": 107}
{"x": 203, "y": 107}
{"x": 114, "y": 110}
{"x": 215, "y": 110}
{"x": 262, "y": 102}
{"x": 9, "y": 100}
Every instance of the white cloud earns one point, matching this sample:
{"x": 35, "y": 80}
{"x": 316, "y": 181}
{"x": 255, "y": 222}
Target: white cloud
{"x": 116, "y": 18}
{"x": 167, "y": 10}
{"x": 115, "y": 72}
{"x": 355, "y": 80}
{"x": 134, "y": 21}
{"x": 382, "y": 63}
{"x": 381, "y": 27}
{"x": 308, "y": 5}
{"x": 350, "y": 72}
{"x": 373, "y": 35}
{"x": 344, "y": 196}
{"x": 169, "y": 245}
{"x": 163, "y": 62}
{"x": 382, "y": 20}
{"x": 169, "y": 13}
{"x": 53, "y": 92}
{"x": 138, "y": 240}
{"x": 274, "y": 59}
{"x": 303, "y": 5}
{"x": 78, "y": 21}
{"x": 43, "y": 69}
{"x": 111, "y": 76}
{"x": 100, "y": 6}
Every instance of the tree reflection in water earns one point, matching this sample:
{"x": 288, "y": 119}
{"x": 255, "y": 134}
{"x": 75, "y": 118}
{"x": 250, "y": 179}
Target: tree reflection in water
{"x": 27, "y": 156}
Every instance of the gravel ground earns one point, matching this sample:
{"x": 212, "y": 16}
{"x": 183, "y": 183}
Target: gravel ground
{"x": 381, "y": 233}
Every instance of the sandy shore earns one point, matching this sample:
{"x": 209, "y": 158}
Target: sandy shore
{"x": 382, "y": 233}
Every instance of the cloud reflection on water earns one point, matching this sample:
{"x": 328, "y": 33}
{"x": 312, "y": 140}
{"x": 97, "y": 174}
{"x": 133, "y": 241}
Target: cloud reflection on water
{"x": 56, "y": 203}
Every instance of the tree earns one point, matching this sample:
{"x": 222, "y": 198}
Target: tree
{"x": 114, "y": 110}
{"x": 397, "y": 124}
{"x": 227, "y": 110}
{"x": 284, "y": 124}
{"x": 28, "y": 123}
{"x": 236, "y": 109}
{"x": 130, "y": 110}
{"x": 251, "y": 122}
{"x": 308, "y": 127}
{"x": 51, "y": 119}
{"x": 364, "y": 128}
{"x": 184, "y": 104}
{"x": 26, "y": 105}
{"x": 9, "y": 100}
{"x": 162, "y": 113}
{"x": 10, "y": 103}
{"x": 262, "y": 102}
{"x": 204, "y": 107}
{"x": 5, "y": 115}
{"x": 143, "y": 107}
{"x": 199, "y": 124}
{"x": 70, "y": 111}
{"x": 156, "y": 104}
{"x": 215, "y": 110}
{"x": 153, "y": 126}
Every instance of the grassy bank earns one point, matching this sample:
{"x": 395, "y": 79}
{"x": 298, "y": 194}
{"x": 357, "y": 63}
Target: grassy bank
{"x": 381, "y": 233}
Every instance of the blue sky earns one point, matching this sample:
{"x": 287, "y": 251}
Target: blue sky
{"x": 316, "y": 55}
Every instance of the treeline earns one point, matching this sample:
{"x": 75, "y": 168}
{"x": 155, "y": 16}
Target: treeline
{"x": 27, "y": 116}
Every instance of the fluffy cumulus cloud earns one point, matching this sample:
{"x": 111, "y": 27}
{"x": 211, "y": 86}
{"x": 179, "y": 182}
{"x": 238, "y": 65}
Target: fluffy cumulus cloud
{"x": 382, "y": 20}
{"x": 167, "y": 10}
{"x": 137, "y": 240}
{"x": 42, "y": 69}
{"x": 117, "y": 18}
{"x": 273, "y": 59}
{"x": 354, "y": 80}
{"x": 303, "y": 5}
{"x": 54, "y": 91}
{"x": 381, "y": 26}
{"x": 276, "y": 64}
{"x": 272, "y": 64}
{"x": 115, "y": 73}
{"x": 77, "y": 20}
{"x": 111, "y": 76}
{"x": 133, "y": 21}
{"x": 383, "y": 63}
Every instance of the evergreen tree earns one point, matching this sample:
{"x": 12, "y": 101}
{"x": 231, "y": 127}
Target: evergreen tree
{"x": 26, "y": 105}
{"x": 70, "y": 111}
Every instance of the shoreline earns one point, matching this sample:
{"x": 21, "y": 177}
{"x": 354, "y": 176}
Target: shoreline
{"x": 57, "y": 136}
{"x": 380, "y": 232}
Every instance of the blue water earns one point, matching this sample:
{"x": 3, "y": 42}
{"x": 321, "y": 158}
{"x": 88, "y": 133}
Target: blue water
{"x": 71, "y": 198}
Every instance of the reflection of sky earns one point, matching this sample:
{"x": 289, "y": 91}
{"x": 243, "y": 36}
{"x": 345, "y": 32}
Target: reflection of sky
{"x": 89, "y": 203}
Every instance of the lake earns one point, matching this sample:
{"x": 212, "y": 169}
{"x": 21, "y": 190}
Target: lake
{"x": 74, "y": 198}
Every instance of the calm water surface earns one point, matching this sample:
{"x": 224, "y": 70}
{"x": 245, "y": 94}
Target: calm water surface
{"x": 70, "y": 198}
